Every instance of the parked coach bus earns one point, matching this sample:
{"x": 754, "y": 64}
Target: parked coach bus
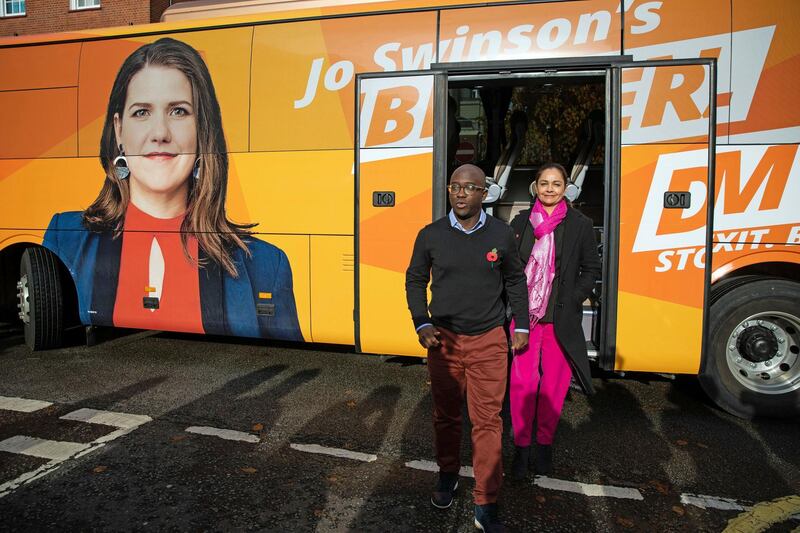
{"x": 264, "y": 173}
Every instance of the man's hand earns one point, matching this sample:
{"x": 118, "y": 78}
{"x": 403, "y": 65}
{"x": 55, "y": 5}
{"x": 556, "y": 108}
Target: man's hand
{"x": 429, "y": 337}
{"x": 520, "y": 341}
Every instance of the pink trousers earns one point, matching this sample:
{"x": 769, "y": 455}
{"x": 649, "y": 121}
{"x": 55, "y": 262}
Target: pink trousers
{"x": 538, "y": 395}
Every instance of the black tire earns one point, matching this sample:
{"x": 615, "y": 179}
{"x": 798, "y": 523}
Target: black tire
{"x": 40, "y": 288}
{"x": 741, "y": 383}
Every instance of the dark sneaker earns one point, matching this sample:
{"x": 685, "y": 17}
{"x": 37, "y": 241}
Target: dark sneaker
{"x": 519, "y": 467}
{"x": 486, "y": 519}
{"x": 442, "y": 497}
{"x": 544, "y": 459}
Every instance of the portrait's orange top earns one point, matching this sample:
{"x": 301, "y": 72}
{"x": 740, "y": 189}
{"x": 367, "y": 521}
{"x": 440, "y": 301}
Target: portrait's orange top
{"x": 153, "y": 265}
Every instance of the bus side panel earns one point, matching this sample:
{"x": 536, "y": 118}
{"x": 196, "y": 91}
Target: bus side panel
{"x": 39, "y": 67}
{"x": 766, "y": 72}
{"x": 332, "y": 279}
{"x": 686, "y": 29}
{"x": 541, "y": 30}
{"x": 304, "y": 74}
{"x": 660, "y": 296}
{"x": 395, "y": 157}
{"x": 386, "y": 239}
{"x": 756, "y": 219}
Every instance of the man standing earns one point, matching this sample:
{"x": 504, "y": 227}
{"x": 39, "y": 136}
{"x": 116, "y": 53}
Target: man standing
{"x": 472, "y": 262}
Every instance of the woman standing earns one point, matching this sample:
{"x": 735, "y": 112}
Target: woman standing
{"x": 562, "y": 266}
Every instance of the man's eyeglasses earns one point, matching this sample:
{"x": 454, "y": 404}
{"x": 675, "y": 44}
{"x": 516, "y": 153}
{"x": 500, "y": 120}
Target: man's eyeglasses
{"x": 469, "y": 188}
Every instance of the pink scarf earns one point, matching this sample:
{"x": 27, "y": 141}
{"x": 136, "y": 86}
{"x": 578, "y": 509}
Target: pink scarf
{"x": 541, "y": 267}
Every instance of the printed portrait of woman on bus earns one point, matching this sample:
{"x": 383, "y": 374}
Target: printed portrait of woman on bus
{"x": 160, "y": 252}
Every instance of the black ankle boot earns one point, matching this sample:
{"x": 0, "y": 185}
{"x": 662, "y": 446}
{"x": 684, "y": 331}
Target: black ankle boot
{"x": 519, "y": 467}
{"x": 544, "y": 459}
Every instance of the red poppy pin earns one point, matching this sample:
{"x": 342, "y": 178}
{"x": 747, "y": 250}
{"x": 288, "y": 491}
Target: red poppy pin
{"x": 491, "y": 256}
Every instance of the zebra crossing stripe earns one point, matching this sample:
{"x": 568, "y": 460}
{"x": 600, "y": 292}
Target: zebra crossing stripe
{"x": 227, "y": 434}
{"x": 22, "y": 405}
{"x": 52, "y": 450}
{"x": 107, "y": 418}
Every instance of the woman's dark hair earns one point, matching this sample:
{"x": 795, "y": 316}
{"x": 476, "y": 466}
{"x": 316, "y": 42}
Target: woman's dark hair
{"x": 205, "y": 211}
{"x": 552, "y": 166}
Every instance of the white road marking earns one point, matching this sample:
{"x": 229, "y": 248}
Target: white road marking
{"x": 22, "y": 405}
{"x": 711, "y": 502}
{"x": 336, "y": 452}
{"x": 52, "y": 450}
{"x": 227, "y": 434}
{"x": 58, "y": 452}
{"x": 107, "y": 418}
{"x": 430, "y": 466}
{"x": 588, "y": 489}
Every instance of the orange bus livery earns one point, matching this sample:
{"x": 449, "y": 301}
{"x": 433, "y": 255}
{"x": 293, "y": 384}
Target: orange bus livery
{"x": 273, "y": 187}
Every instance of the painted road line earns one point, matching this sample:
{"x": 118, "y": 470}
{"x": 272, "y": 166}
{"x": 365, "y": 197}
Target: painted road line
{"x": 335, "y": 452}
{"x": 712, "y": 502}
{"x": 52, "y": 450}
{"x": 107, "y": 418}
{"x": 588, "y": 489}
{"x": 22, "y": 405}
{"x": 227, "y": 434}
{"x": 430, "y": 466}
{"x": 124, "y": 423}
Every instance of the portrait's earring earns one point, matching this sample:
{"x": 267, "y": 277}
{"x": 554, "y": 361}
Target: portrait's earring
{"x": 121, "y": 169}
{"x": 196, "y": 169}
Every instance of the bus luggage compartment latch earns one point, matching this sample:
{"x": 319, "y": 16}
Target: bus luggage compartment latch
{"x": 677, "y": 200}
{"x": 382, "y": 198}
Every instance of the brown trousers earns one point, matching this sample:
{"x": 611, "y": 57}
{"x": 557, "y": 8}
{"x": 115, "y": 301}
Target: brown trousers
{"x": 475, "y": 365}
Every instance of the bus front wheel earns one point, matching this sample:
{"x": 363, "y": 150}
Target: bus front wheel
{"x": 40, "y": 298}
{"x": 752, "y": 364}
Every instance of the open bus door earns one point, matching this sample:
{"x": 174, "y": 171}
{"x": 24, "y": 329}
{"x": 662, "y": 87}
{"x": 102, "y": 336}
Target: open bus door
{"x": 662, "y": 165}
{"x": 400, "y": 183}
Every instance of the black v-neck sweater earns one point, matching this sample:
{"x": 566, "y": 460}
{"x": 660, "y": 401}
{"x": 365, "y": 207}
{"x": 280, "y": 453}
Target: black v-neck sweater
{"x": 472, "y": 276}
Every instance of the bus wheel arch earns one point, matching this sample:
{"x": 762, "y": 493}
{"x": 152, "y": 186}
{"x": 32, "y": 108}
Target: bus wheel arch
{"x": 752, "y": 361}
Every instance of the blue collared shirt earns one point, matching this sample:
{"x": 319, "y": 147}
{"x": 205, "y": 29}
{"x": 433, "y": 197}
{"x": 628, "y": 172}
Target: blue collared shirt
{"x": 457, "y": 225}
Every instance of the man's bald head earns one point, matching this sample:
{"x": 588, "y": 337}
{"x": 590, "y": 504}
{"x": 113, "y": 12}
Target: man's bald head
{"x": 471, "y": 172}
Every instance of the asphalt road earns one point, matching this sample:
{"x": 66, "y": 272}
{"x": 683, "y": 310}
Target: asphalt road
{"x": 325, "y": 442}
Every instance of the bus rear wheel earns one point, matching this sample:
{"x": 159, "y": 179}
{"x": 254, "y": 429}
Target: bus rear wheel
{"x": 752, "y": 365}
{"x": 40, "y": 298}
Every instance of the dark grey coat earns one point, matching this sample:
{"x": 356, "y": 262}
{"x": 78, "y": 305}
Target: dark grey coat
{"x": 579, "y": 269}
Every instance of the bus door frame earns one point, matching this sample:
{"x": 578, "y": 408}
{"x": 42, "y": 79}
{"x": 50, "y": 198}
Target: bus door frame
{"x": 607, "y": 320}
{"x": 439, "y": 170}
{"x": 608, "y": 336}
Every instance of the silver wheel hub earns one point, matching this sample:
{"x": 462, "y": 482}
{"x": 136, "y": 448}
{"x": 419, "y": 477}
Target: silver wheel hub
{"x": 763, "y": 352}
{"x": 23, "y": 305}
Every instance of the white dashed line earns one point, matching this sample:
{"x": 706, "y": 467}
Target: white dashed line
{"x": 588, "y": 489}
{"x": 336, "y": 452}
{"x": 107, "y": 418}
{"x": 712, "y": 502}
{"x": 227, "y": 434}
{"x": 430, "y": 466}
{"x": 52, "y": 450}
{"x": 22, "y": 405}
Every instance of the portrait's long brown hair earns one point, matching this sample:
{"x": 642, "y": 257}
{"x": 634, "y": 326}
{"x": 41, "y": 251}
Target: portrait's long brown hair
{"x": 205, "y": 211}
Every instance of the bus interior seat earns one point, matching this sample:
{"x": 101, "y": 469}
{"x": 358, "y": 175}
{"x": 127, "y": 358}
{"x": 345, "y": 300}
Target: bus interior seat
{"x": 591, "y": 134}
{"x": 508, "y": 157}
